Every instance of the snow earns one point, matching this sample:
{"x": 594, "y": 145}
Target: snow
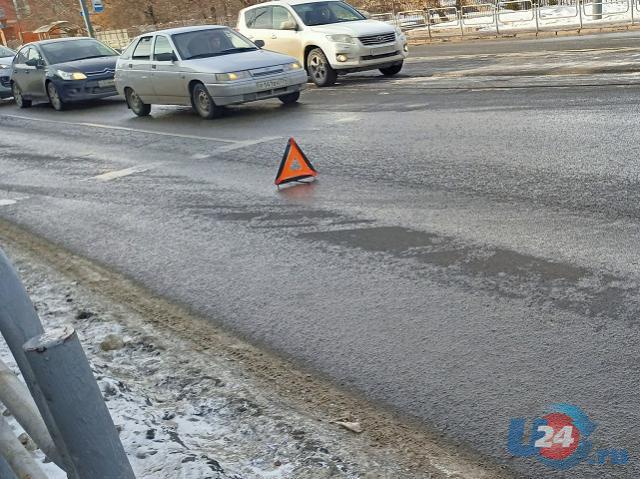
{"x": 550, "y": 17}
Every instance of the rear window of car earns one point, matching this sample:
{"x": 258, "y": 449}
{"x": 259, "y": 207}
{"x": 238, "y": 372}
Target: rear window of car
{"x": 126, "y": 54}
{"x": 143, "y": 49}
{"x": 259, "y": 18}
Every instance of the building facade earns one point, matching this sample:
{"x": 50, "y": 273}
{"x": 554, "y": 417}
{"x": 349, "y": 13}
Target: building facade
{"x": 11, "y": 11}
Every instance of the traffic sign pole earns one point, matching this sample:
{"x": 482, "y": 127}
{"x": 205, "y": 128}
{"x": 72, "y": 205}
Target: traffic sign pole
{"x": 87, "y": 19}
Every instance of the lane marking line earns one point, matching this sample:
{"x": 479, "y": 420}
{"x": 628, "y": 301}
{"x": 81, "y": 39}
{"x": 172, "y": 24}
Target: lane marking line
{"x": 138, "y": 130}
{"x": 112, "y": 175}
{"x": 7, "y": 202}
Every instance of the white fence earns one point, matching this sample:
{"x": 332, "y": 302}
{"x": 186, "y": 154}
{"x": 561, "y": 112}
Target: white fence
{"x": 511, "y": 16}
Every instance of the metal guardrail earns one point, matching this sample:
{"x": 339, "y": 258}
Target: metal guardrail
{"x": 497, "y": 16}
{"x": 68, "y": 400}
{"x": 623, "y": 7}
{"x": 505, "y": 7}
{"x": 486, "y": 12}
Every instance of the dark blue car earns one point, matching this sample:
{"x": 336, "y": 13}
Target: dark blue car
{"x": 6, "y": 59}
{"x": 63, "y": 71}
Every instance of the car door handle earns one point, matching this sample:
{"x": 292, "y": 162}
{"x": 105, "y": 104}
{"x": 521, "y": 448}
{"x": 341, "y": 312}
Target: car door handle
{"x": 274, "y": 36}
{"x": 155, "y": 67}
{"x": 130, "y": 65}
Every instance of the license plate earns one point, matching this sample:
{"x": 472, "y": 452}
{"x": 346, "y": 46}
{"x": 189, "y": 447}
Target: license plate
{"x": 106, "y": 83}
{"x": 383, "y": 50}
{"x": 271, "y": 84}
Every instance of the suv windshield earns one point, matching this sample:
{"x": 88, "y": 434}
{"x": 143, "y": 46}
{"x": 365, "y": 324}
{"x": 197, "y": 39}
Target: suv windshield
{"x": 211, "y": 42}
{"x": 323, "y": 13}
{"x": 73, "y": 50}
{"x": 5, "y": 52}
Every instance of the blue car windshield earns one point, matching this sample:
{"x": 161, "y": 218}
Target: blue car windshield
{"x": 5, "y": 52}
{"x": 74, "y": 50}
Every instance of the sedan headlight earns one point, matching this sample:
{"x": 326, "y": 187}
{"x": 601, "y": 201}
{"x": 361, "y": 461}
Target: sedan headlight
{"x": 233, "y": 76}
{"x": 341, "y": 38}
{"x": 71, "y": 75}
{"x": 5, "y": 65}
{"x": 292, "y": 66}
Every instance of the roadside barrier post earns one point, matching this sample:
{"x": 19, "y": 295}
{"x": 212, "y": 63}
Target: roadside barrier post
{"x": 15, "y": 396}
{"x": 5, "y": 470}
{"x": 19, "y": 322}
{"x": 74, "y": 399}
{"x": 16, "y": 456}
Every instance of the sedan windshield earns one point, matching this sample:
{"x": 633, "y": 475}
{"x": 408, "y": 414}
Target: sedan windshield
{"x": 324, "y": 13}
{"x": 74, "y": 50}
{"x": 5, "y": 52}
{"x": 211, "y": 42}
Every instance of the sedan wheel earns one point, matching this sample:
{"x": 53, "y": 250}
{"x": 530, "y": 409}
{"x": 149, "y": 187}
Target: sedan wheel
{"x": 290, "y": 98}
{"x": 321, "y": 73}
{"x": 203, "y": 103}
{"x": 136, "y": 104}
{"x": 54, "y": 97}
{"x": 17, "y": 96}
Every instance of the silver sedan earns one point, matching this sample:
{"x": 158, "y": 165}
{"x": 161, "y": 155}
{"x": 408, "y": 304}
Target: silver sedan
{"x": 205, "y": 67}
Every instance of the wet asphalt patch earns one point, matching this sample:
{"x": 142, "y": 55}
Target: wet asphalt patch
{"x": 501, "y": 271}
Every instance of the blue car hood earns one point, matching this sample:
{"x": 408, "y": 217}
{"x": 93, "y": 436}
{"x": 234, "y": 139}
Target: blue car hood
{"x": 89, "y": 65}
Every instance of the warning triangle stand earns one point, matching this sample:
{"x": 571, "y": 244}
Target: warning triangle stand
{"x": 294, "y": 166}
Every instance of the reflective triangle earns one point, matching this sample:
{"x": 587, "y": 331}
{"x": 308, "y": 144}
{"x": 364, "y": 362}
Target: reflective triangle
{"x": 295, "y": 165}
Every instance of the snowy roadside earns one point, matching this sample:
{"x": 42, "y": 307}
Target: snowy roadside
{"x": 192, "y": 412}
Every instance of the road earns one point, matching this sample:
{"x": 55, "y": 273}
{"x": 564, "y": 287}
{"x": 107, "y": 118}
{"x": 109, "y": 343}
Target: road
{"x": 468, "y": 255}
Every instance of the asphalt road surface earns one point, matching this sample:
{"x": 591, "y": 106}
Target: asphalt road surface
{"x": 468, "y": 255}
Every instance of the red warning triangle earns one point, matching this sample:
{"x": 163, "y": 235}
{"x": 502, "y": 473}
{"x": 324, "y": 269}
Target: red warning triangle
{"x": 295, "y": 165}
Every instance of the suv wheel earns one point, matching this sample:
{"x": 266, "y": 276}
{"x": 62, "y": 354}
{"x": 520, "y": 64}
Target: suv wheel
{"x": 54, "y": 97}
{"x": 319, "y": 69}
{"x": 392, "y": 70}
{"x": 203, "y": 103}
{"x": 17, "y": 96}
{"x": 136, "y": 104}
{"x": 290, "y": 98}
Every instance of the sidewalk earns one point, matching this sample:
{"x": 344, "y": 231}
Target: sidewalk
{"x": 194, "y": 402}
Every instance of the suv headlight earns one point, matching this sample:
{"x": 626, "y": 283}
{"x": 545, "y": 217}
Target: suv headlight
{"x": 292, "y": 66}
{"x": 71, "y": 75}
{"x": 232, "y": 76}
{"x": 4, "y": 65}
{"x": 341, "y": 38}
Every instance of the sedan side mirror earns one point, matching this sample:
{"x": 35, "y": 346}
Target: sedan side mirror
{"x": 35, "y": 62}
{"x": 166, "y": 57}
{"x": 259, "y": 43}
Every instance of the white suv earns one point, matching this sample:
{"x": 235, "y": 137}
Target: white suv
{"x": 327, "y": 36}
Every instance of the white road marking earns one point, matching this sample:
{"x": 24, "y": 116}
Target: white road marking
{"x": 148, "y": 132}
{"x": 112, "y": 175}
{"x": 7, "y": 202}
{"x": 347, "y": 119}
{"x": 243, "y": 144}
